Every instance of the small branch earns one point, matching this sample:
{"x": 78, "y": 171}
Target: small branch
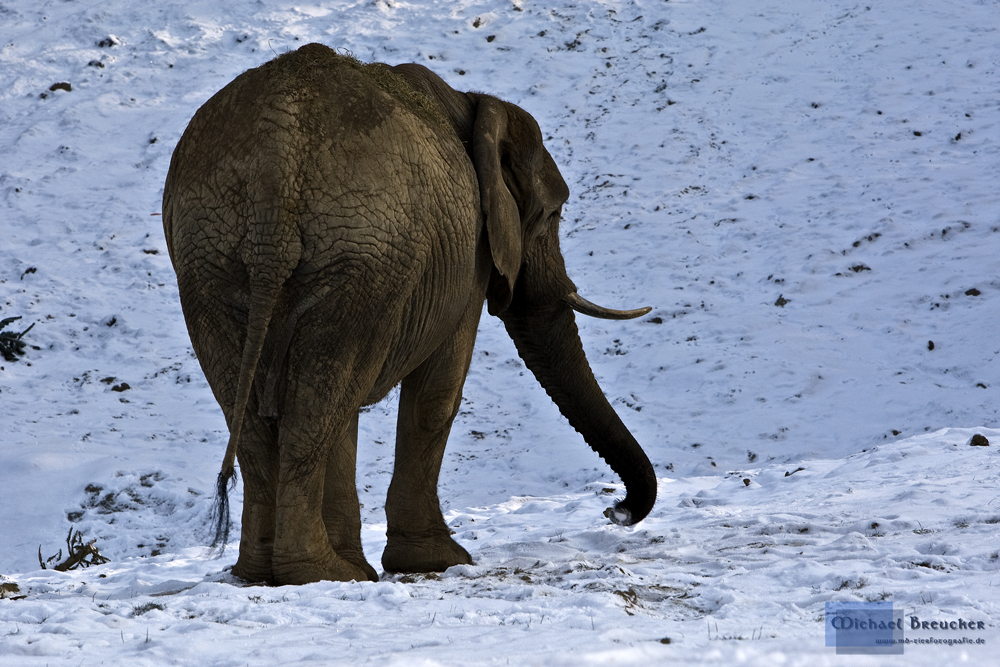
{"x": 80, "y": 554}
{"x": 11, "y": 345}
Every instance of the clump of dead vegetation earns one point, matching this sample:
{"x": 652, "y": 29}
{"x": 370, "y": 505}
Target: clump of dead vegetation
{"x": 11, "y": 345}
{"x": 80, "y": 554}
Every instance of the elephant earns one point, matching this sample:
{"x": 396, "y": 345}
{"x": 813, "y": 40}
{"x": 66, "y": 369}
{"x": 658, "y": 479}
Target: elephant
{"x": 335, "y": 228}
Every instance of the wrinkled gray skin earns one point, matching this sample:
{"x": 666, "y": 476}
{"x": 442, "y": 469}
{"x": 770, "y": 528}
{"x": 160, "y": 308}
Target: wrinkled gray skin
{"x": 335, "y": 228}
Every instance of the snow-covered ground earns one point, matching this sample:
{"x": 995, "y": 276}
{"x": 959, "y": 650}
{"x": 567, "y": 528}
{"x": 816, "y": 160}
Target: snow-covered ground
{"x": 838, "y": 158}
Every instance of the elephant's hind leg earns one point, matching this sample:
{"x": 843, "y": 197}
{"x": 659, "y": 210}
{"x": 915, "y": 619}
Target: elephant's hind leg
{"x": 217, "y": 336}
{"x": 316, "y": 504}
{"x": 310, "y": 444}
{"x": 341, "y": 509}
{"x": 418, "y": 538}
{"x": 258, "y": 457}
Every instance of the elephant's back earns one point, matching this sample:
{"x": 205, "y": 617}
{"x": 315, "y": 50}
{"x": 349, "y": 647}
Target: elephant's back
{"x": 349, "y": 153}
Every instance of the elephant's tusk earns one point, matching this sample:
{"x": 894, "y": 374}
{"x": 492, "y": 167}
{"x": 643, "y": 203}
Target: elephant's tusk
{"x": 584, "y": 307}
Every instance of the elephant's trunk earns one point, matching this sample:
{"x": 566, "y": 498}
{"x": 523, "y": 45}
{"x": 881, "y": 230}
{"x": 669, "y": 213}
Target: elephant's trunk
{"x": 545, "y": 334}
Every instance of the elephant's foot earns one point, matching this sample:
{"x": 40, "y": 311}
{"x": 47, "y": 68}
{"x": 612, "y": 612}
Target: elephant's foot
{"x": 425, "y": 554}
{"x": 290, "y": 571}
{"x": 253, "y": 570}
{"x": 254, "y": 563}
{"x": 358, "y": 560}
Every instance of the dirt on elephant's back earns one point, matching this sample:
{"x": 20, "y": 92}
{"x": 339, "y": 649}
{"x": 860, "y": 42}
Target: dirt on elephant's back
{"x": 310, "y": 67}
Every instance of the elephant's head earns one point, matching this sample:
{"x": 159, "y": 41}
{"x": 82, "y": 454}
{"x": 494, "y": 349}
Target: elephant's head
{"x": 521, "y": 195}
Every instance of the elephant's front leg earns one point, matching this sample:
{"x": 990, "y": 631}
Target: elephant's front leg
{"x": 418, "y": 538}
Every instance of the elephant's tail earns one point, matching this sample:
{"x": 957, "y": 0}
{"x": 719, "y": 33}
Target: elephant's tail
{"x": 263, "y": 299}
{"x": 269, "y": 261}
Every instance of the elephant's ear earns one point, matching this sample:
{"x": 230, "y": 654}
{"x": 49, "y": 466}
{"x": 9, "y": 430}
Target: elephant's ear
{"x": 503, "y": 223}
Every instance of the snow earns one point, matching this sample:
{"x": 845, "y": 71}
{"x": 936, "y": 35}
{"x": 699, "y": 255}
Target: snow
{"x": 834, "y": 157}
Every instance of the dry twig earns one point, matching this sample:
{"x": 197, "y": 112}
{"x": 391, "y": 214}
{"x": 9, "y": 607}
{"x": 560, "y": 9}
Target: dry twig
{"x": 80, "y": 554}
{"x": 11, "y": 345}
